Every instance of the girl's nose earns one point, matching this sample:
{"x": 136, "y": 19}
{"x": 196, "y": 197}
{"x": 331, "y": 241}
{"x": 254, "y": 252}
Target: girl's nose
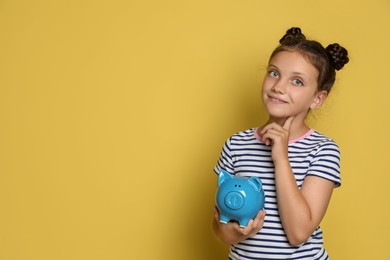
{"x": 279, "y": 87}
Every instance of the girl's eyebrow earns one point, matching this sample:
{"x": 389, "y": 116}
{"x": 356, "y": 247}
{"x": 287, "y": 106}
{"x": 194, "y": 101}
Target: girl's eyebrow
{"x": 272, "y": 66}
{"x": 298, "y": 73}
{"x": 294, "y": 72}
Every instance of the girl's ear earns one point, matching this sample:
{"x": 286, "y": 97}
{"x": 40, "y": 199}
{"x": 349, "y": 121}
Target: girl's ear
{"x": 319, "y": 99}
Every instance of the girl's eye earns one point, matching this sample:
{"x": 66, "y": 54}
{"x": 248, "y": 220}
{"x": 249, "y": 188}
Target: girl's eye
{"x": 297, "y": 82}
{"x": 273, "y": 74}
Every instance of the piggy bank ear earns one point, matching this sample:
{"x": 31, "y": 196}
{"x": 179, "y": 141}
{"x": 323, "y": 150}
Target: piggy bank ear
{"x": 256, "y": 183}
{"x": 223, "y": 176}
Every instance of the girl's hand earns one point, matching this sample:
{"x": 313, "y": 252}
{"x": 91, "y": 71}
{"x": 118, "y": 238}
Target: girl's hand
{"x": 277, "y": 136}
{"x": 232, "y": 233}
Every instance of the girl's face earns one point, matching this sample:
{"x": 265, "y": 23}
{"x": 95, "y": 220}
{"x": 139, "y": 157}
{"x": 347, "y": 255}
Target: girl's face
{"x": 290, "y": 86}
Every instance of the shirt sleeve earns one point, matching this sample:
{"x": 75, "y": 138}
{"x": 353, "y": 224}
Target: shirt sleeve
{"x": 225, "y": 161}
{"x": 326, "y": 163}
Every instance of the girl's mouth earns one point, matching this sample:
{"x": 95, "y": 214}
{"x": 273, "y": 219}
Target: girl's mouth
{"x": 276, "y": 100}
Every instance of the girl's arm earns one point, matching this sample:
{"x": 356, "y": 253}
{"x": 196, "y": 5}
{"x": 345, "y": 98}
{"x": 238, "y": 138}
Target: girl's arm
{"x": 231, "y": 233}
{"x": 301, "y": 210}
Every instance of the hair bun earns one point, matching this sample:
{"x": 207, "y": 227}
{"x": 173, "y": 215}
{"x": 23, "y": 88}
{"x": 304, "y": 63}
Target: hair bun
{"x": 292, "y": 36}
{"x": 338, "y": 55}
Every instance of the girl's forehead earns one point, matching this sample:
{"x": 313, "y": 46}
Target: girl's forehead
{"x": 289, "y": 56}
{"x": 293, "y": 61}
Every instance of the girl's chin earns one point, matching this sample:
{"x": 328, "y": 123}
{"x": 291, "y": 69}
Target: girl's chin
{"x": 280, "y": 119}
{"x": 278, "y": 116}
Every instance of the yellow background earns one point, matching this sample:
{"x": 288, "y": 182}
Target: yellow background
{"x": 113, "y": 114}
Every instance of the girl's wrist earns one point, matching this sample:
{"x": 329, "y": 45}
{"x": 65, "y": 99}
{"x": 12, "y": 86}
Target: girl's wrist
{"x": 282, "y": 163}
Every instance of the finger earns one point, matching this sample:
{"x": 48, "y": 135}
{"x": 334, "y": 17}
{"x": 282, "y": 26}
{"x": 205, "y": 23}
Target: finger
{"x": 267, "y": 140}
{"x": 258, "y": 223}
{"x": 288, "y": 123}
{"x": 216, "y": 213}
{"x": 236, "y": 228}
{"x": 272, "y": 135}
{"x": 276, "y": 132}
{"x": 248, "y": 229}
{"x": 266, "y": 128}
{"x": 259, "y": 220}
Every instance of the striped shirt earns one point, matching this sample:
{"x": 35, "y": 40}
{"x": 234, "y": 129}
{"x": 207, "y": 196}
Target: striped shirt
{"x": 246, "y": 155}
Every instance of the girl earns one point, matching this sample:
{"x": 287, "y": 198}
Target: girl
{"x": 298, "y": 166}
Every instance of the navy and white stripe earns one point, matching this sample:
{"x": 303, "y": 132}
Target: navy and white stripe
{"x": 313, "y": 155}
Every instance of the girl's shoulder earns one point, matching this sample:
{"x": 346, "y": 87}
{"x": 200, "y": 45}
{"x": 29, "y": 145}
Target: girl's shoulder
{"x": 318, "y": 137}
{"x": 243, "y": 136}
{"x": 315, "y": 140}
{"x": 245, "y": 133}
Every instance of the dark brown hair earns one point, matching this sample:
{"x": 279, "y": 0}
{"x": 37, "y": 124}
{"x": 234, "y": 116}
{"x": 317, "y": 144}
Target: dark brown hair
{"x": 325, "y": 60}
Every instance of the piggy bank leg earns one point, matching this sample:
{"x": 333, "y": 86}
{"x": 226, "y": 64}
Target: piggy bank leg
{"x": 223, "y": 219}
{"x": 244, "y": 222}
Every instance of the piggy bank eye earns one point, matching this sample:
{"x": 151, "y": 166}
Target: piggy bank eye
{"x": 237, "y": 185}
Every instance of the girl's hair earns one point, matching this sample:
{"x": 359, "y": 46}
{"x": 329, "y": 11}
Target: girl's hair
{"x": 325, "y": 60}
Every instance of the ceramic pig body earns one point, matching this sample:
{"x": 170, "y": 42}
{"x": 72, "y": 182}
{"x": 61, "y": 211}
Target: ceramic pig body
{"x": 239, "y": 198}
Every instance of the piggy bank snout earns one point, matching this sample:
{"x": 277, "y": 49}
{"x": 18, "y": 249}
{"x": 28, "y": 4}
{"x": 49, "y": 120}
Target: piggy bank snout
{"x": 234, "y": 200}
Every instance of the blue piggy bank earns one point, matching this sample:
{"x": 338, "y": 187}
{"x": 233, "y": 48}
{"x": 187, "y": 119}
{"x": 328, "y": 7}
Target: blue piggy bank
{"x": 239, "y": 198}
